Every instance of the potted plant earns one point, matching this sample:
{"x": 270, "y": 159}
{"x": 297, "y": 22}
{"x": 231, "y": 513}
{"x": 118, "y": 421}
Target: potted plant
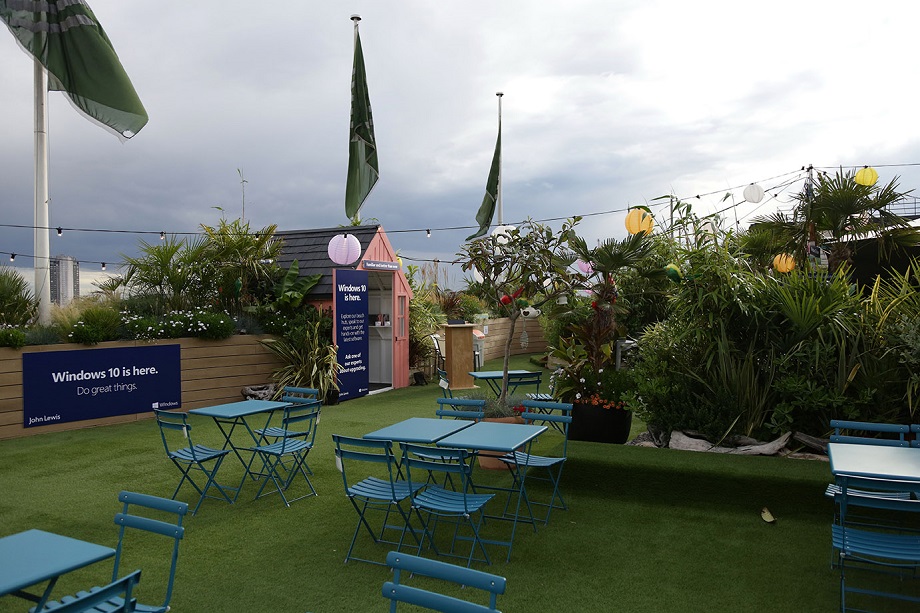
{"x": 587, "y": 376}
{"x": 599, "y": 412}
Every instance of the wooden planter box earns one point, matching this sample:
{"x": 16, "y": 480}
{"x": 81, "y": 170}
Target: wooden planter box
{"x": 213, "y": 372}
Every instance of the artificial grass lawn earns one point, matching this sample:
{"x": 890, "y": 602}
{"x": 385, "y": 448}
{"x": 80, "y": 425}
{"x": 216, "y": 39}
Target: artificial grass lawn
{"x": 647, "y": 529}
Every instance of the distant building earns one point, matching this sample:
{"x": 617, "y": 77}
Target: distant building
{"x": 65, "y": 279}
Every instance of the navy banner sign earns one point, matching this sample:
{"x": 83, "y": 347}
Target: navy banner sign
{"x": 63, "y": 386}
{"x": 351, "y": 334}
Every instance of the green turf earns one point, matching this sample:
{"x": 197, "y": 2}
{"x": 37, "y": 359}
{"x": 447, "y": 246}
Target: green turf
{"x": 647, "y": 530}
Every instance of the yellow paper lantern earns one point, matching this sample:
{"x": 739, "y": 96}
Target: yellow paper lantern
{"x": 783, "y": 262}
{"x": 639, "y": 220}
{"x": 866, "y": 176}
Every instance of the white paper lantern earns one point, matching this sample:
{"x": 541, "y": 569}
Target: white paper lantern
{"x": 753, "y": 193}
{"x": 501, "y": 234}
{"x": 344, "y": 249}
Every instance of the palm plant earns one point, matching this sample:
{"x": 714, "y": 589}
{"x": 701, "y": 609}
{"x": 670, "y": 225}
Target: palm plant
{"x": 308, "y": 360}
{"x": 17, "y": 303}
{"x": 244, "y": 260}
{"x": 839, "y": 211}
{"x": 172, "y": 274}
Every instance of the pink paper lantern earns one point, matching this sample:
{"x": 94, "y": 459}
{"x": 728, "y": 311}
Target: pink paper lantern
{"x": 344, "y": 249}
{"x": 585, "y": 267}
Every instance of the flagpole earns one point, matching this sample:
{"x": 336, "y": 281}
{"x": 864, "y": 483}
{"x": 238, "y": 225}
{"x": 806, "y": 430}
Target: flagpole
{"x": 499, "y": 199}
{"x": 356, "y": 18}
{"x": 42, "y": 257}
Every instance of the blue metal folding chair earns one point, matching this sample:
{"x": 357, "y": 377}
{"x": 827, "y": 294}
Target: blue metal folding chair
{"x": 397, "y": 592}
{"x": 176, "y": 433}
{"x": 887, "y": 550}
{"x": 99, "y": 599}
{"x": 131, "y": 519}
{"x": 558, "y": 415}
{"x": 381, "y": 493}
{"x": 461, "y": 504}
{"x": 299, "y": 425}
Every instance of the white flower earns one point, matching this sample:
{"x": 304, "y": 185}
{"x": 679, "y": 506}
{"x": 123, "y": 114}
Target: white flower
{"x": 582, "y": 380}
{"x": 577, "y": 395}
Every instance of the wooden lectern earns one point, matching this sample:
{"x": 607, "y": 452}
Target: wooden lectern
{"x": 458, "y": 351}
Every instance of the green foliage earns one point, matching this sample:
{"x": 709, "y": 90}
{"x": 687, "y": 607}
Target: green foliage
{"x": 841, "y": 210}
{"x": 292, "y": 288}
{"x": 242, "y": 262}
{"x": 308, "y": 360}
{"x": 12, "y": 337}
{"x": 95, "y": 325}
{"x": 17, "y": 304}
{"x": 43, "y": 335}
{"x": 178, "y": 324}
{"x": 530, "y": 262}
{"x": 512, "y": 406}
{"x": 169, "y": 275}
{"x": 424, "y": 317}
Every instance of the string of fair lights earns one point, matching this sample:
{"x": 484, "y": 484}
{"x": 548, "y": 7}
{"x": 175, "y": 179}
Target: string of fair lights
{"x": 781, "y": 183}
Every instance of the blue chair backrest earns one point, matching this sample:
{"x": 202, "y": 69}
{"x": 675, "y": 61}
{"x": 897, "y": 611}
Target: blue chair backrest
{"x": 299, "y": 394}
{"x": 120, "y": 588}
{"x": 515, "y": 381}
{"x": 397, "y": 592}
{"x": 350, "y": 449}
{"x": 841, "y": 425}
{"x": 558, "y": 414}
{"x": 127, "y": 519}
{"x": 452, "y": 461}
{"x": 300, "y": 422}
{"x": 461, "y": 408}
{"x": 175, "y": 431}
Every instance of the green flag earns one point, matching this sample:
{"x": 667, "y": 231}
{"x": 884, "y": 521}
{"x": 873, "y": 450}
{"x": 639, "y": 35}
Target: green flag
{"x": 65, "y": 36}
{"x": 487, "y": 208}
{"x": 362, "y": 150}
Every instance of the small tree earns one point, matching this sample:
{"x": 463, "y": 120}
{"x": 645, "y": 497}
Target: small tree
{"x": 524, "y": 266}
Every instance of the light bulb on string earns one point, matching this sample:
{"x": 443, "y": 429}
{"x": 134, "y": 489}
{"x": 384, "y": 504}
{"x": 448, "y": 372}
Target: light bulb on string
{"x": 60, "y": 230}
{"x": 162, "y": 235}
{"x": 12, "y": 257}
{"x": 103, "y": 266}
{"x": 428, "y": 233}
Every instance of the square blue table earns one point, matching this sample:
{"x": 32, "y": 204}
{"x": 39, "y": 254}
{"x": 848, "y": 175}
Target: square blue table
{"x": 494, "y": 377}
{"x": 502, "y": 438}
{"x": 34, "y": 556}
{"x": 420, "y": 430}
{"x": 237, "y": 413}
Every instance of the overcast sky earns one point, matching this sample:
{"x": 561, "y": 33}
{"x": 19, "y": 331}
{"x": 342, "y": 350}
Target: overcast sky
{"x": 608, "y": 103}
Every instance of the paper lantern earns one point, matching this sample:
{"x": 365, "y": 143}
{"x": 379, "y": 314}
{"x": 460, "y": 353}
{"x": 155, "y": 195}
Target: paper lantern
{"x": 866, "y": 176}
{"x": 585, "y": 267}
{"x": 502, "y": 234}
{"x": 783, "y": 262}
{"x": 344, "y": 249}
{"x": 753, "y": 193}
{"x": 673, "y": 273}
{"x": 639, "y": 220}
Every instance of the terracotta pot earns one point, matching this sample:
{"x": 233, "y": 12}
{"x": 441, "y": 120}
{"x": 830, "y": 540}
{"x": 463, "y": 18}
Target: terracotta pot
{"x": 599, "y": 425}
{"x": 488, "y": 460}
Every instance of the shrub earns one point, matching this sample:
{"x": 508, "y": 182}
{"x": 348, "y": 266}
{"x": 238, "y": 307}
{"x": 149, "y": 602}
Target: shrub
{"x": 12, "y": 337}
{"x": 96, "y": 324}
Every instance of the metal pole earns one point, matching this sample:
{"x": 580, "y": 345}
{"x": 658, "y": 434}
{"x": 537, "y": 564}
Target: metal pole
{"x": 500, "y": 216}
{"x": 42, "y": 257}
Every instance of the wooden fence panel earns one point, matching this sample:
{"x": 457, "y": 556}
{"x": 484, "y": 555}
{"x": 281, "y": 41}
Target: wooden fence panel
{"x": 213, "y": 372}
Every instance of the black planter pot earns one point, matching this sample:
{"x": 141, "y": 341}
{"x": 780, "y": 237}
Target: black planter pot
{"x": 599, "y": 425}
